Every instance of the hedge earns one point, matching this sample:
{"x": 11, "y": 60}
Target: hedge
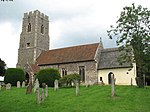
{"x": 48, "y": 76}
{"x": 13, "y": 75}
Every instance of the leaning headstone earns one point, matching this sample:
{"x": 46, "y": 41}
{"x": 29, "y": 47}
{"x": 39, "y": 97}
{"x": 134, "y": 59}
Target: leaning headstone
{"x": 18, "y": 84}
{"x": 8, "y": 86}
{"x": 112, "y": 85}
{"x": 77, "y": 88}
{"x": 46, "y": 94}
{"x": 36, "y": 85}
{"x": 23, "y": 84}
{"x": 38, "y": 97}
{"x": 56, "y": 85}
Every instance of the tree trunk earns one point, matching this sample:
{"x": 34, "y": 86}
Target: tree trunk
{"x": 140, "y": 80}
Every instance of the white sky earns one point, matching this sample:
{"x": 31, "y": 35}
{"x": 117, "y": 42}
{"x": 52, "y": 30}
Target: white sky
{"x": 72, "y": 22}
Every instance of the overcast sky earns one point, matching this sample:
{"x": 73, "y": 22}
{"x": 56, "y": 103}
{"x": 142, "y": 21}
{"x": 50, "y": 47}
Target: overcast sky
{"x": 72, "y": 22}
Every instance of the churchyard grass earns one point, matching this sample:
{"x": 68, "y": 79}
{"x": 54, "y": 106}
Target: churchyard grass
{"x": 93, "y": 99}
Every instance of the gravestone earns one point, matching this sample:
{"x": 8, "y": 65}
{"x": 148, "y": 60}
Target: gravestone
{"x": 112, "y": 85}
{"x": 8, "y": 86}
{"x": 36, "y": 85}
{"x": 0, "y": 86}
{"x": 23, "y": 84}
{"x": 38, "y": 96}
{"x": 18, "y": 84}
{"x": 46, "y": 94}
{"x": 56, "y": 85}
{"x": 77, "y": 87}
{"x": 43, "y": 96}
{"x": 43, "y": 85}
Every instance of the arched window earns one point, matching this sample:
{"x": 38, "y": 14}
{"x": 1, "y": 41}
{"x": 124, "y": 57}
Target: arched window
{"x": 64, "y": 72}
{"x": 29, "y": 27}
{"x": 42, "y": 29}
{"x": 82, "y": 73}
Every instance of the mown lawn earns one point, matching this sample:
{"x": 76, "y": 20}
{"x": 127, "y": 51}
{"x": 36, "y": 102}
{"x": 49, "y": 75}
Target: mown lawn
{"x": 92, "y": 99}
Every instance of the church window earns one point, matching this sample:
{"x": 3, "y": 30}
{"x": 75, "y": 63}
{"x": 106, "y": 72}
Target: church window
{"x": 29, "y": 27}
{"x": 82, "y": 73}
{"x": 42, "y": 29}
{"x": 64, "y": 72}
{"x": 28, "y": 45}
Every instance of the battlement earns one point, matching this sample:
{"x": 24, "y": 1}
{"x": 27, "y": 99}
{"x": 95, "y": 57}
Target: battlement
{"x": 35, "y": 13}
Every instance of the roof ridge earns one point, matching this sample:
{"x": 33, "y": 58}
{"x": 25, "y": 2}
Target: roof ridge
{"x": 73, "y": 46}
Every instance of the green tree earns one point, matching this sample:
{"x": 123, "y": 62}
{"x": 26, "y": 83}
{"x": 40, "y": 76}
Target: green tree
{"x": 67, "y": 80}
{"x": 132, "y": 31}
{"x": 2, "y": 67}
{"x": 13, "y": 75}
{"x": 48, "y": 76}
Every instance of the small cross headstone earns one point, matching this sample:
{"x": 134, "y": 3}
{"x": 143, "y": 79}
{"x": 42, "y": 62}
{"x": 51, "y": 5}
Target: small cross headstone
{"x": 23, "y": 84}
{"x": 77, "y": 88}
{"x": 46, "y": 94}
{"x": 36, "y": 85}
{"x": 18, "y": 84}
{"x": 56, "y": 85}
{"x": 8, "y": 86}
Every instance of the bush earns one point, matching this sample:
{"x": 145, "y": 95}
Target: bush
{"x": 13, "y": 75}
{"x": 48, "y": 76}
{"x": 67, "y": 80}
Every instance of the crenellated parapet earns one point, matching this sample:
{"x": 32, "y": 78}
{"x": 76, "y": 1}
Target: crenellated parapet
{"x": 35, "y": 13}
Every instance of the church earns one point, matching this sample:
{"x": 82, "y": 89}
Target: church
{"x": 92, "y": 62}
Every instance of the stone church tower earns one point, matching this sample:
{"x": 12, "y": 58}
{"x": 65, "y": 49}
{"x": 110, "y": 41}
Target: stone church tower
{"x": 34, "y": 37}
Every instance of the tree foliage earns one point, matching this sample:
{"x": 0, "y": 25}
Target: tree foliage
{"x": 67, "y": 80}
{"x": 2, "y": 67}
{"x": 13, "y": 75}
{"x": 132, "y": 31}
{"x": 48, "y": 76}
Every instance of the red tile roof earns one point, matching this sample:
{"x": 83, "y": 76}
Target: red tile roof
{"x": 69, "y": 54}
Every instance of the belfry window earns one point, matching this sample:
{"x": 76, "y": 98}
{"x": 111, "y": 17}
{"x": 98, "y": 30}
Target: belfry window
{"x": 63, "y": 72}
{"x": 42, "y": 29}
{"x": 82, "y": 73}
{"x": 29, "y": 27}
{"x": 28, "y": 45}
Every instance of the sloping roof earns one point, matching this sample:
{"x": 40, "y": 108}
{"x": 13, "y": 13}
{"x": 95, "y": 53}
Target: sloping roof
{"x": 108, "y": 59}
{"x": 69, "y": 54}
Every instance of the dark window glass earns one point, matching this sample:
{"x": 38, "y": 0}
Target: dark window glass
{"x": 82, "y": 73}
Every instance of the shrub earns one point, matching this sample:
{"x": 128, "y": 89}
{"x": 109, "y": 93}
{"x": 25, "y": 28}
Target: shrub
{"x": 67, "y": 80}
{"x": 13, "y": 75}
{"x": 48, "y": 76}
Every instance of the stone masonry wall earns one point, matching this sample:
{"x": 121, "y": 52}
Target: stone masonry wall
{"x": 90, "y": 69}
